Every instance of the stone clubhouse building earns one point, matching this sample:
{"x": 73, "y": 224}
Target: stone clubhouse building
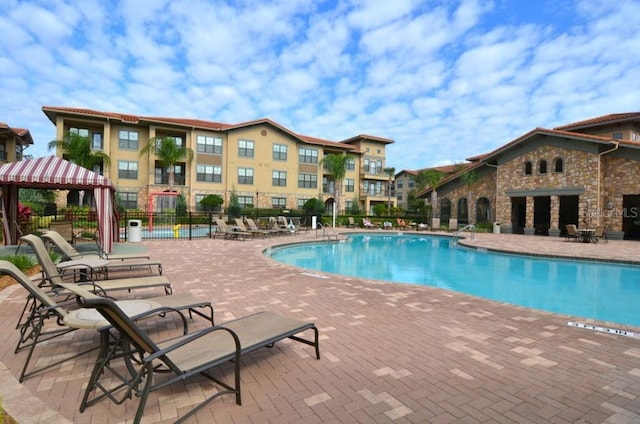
{"x": 585, "y": 173}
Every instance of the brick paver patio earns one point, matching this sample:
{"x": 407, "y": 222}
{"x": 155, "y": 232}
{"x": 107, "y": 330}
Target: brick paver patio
{"x": 391, "y": 353}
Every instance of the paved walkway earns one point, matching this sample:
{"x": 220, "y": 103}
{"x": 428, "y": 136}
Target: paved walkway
{"x": 390, "y": 353}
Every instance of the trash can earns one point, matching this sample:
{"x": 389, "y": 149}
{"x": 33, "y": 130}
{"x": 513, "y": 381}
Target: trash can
{"x": 134, "y": 229}
{"x": 496, "y": 228}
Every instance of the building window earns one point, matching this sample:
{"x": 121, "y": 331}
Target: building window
{"x": 399, "y": 197}
{"x": 463, "y": 211}
{"x": 349, "y": 185}
{"x": 527, "y": 168}
{"x": 209, "y": 173}
{"x": 373, "y": 188}
{"x": 96, "y": 141}
{"x": 161, "y": 174}
{"x": 307, "y": 155}
{"x": 348, "y": 205}
{"x": 245, "y": 175}
{"x": 207, "y": 144}
{"x": 128, "y": 139}
{"x": 279, "y": 152}
{"x": 278, "y": 202}
{"x": 328, "y": 185}
{"x": 617, "y": 136}
{"x": 128, "y": 200}
{"x": 245, "y": 201}
{"x": 542, "y": 167}
{"x": 558, "y": 165}
{"x": 483, "y": 210}
{"x": 3, "y": 151}
{"x": 307, "y": 181}
{"x": 279, "y": 178}
{"x": 245, "y": 148}
{"x": 445, "y": 212}
{"x": 300, "y": 202}
{"x": 351, "y": 164}
{"x": 128, "y": 169}
{"x": 412, "y": 182}
{"x": 82, "y": 132}
{"x": 399, "y": 184}
{"x": 177, "y": 140}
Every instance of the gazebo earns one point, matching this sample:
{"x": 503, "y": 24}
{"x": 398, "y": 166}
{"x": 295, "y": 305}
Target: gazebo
{"x": 52, "y": 172}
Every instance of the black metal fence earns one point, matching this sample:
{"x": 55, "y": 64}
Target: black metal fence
{"x": 131, "y": 225}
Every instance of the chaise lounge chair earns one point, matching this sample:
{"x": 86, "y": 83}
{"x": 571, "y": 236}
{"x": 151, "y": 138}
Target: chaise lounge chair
{"x": 41, "y": 308}
{"x": 52, "y": 275}
{"x": 227, "y": 232}
{"x": 115, "y": 262}
{"x": 179, "y": 359}
{"x": 253, "y": 227}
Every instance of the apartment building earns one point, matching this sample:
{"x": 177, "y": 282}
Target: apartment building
{"x": 264, "y": 163}
{"x": 405, "y": 182}
{"x": 13, "y": 143}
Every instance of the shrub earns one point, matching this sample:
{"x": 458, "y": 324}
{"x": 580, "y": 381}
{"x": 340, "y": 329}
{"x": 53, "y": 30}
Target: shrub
{"x": 22, "y": 262}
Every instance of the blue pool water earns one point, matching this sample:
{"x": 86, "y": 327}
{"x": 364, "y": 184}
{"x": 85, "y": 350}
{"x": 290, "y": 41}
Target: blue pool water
{"x": 183, "y": 232}
{"x": 596, "y": 290}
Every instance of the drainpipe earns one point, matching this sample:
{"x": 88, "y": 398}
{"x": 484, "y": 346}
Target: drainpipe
{"x": 617, "y": 144}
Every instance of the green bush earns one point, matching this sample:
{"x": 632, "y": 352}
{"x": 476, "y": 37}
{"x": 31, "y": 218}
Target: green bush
{"x": 22, "y": 262}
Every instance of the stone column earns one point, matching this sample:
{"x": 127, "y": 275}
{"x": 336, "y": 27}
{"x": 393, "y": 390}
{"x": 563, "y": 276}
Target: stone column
{"x": 528, "y": 228}
{"x": 555, "y": 212}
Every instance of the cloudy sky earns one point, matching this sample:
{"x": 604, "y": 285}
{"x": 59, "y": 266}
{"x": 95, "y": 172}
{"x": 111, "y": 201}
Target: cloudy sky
{"x": 445, "y": 79}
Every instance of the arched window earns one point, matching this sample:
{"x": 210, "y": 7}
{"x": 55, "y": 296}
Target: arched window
{"x": 445, "y": 210}
{"x": 483, "y": 211}
{"x": 463, "y": 211}
{"x": 558, "y": 165}
{"x": 542, "y": 167}
{"x": 527, "y": 168}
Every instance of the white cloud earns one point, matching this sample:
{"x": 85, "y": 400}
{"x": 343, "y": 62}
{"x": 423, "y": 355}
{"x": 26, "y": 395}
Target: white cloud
{"x": 446, "y": 80}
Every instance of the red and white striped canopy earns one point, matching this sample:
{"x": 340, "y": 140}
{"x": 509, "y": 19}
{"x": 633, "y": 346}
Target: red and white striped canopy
{"x": 55, "y": 173}
{"x": 52, "y": 172}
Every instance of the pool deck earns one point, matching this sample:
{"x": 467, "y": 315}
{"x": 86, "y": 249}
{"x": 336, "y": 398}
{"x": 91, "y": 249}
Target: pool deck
{"x": 390, "y": 353}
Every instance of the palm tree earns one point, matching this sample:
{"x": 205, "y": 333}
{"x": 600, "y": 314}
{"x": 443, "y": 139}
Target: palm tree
{"x": 169, "y": 154}
{"x": 390, "y": 173}
{"x": 336, "y": 165}
{"x": 76, "y": 149}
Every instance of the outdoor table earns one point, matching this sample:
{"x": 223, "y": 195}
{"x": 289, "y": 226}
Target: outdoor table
{"x": 585, "y": 235}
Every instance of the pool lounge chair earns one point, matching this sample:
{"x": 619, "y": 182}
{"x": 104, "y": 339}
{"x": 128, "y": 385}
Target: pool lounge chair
{"x": 229, "y": 232}
{"x": 52, "y": 275}
{"x": 65, "y": 229}
{"x": 41, "y": 307}
{"x": 242, "y": 227}
{"x": 600, "y": 234}
{"x": 114, "y": 263}
{"x": 180, "y": 359}
{"x": 71, "y": 252}
{"x": 254, "y": 228}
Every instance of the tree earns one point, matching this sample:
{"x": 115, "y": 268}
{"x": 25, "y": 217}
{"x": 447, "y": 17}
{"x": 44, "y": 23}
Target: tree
{"x": 234, "y": 209}
{"x": 336, "y": 165}
{"x": 77, "y": 149}
{"x": 390, "y": 173}
{"x": 169, "y": 154}
{"x": 211, "y": 202}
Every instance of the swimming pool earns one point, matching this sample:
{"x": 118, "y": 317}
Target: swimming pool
{"x": 596, "y": 290}
{"x": 183, "y": 232}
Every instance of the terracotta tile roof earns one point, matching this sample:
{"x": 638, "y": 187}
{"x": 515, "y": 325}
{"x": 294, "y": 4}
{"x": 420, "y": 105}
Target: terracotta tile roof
{"x": 51, "y": 111}
{"x": 600, "y": 120}
{"x": 364, "y": 137}
{"x": 22, "y": 134}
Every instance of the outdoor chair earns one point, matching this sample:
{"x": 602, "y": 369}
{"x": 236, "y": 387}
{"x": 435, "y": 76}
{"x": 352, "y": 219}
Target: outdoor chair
{"x": 43, "y": 308}
{"x": 242, "y": 227}
{"x": 151, "y": 365}
{"x": 115, "y": 263}
{"x": 600, "y": 234}
{"x": 228, "y": 232}
{"x": 351, "y": 222}
{"x": 71, "y": 252}
{"x": 254, "y": 228}
{"x": 572, "y": 233}
{"x": 52, "y": 274}
{"x": 65, "y": 229}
